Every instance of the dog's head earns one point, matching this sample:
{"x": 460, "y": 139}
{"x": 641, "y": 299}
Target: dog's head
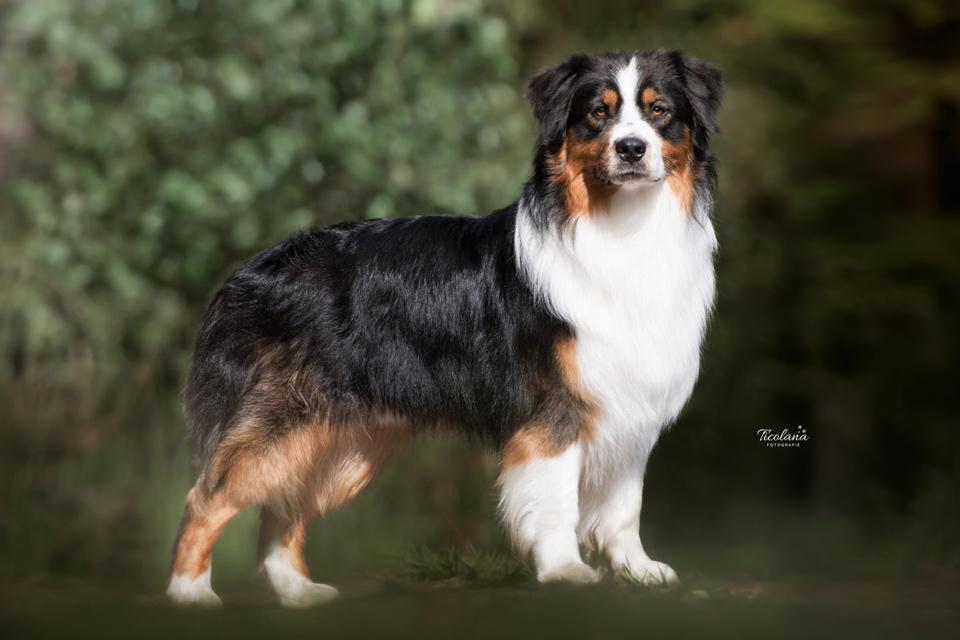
{"x": 625, "y": 118}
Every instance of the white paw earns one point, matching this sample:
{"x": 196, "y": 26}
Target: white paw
{"x": 184, "y": 591}
{"x": 292, "y": 587}
{"x": 649, "y": 572}
{"x": 574, "y": 572}
{"x": 308, "y": 595}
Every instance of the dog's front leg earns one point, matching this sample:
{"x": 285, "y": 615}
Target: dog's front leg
{"x": 539, "y": 506}
{"x": 610, "y": 522}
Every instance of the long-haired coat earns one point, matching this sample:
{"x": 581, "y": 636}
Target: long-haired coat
{"x": 564, "y": 330}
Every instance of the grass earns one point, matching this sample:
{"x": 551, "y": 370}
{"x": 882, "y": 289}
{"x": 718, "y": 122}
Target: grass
{"x": 457, "y": 567}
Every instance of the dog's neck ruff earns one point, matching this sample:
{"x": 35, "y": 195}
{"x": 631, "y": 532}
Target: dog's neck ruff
{"x": 636, "y": 283}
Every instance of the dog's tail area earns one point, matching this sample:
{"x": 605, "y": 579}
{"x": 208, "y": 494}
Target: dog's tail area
{"x": 244, "y": 377}
{"x": 216, "y": 382}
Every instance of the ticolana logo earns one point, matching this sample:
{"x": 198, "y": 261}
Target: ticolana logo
{"x": 783, "y": 439}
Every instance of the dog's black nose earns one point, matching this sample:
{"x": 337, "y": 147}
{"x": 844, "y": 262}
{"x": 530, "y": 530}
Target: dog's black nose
{"x": 631, "y": 149}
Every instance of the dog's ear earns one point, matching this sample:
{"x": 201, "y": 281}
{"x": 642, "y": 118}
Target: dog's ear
{"x": 704, "y": 89}
{"x": 550, "y": 93}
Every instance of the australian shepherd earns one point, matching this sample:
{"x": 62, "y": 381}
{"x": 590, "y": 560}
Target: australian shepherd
{"x": 563, "y": 330}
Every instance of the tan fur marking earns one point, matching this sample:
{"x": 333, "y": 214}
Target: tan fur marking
{"x": 336, "y": 461}
{"x": 649, "y": 96}
{"x": 610, "y": 98}
{"x": 678, "y": 159}
{"x": 532, "y": 441}
{"x": 353, "y": 461}
{"x": 567, "y": 357}
{"x": 253, "y": 466}
{"x": 574, "y": 168}
{"x": 202, "y": 522}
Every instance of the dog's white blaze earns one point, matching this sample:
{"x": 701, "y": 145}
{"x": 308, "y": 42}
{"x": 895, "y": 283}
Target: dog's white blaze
{"x": 637, "y": 285}
{"x": 628, "y": 84}
{"x": 184, "y": 590}
{"x": 632, "y": 125}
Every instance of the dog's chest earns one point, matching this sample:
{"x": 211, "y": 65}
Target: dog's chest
{"x": 638, "y": 296}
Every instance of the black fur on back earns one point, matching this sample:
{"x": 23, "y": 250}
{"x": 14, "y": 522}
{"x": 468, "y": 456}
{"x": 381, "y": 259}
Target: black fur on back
{"x": 426, "y": 318}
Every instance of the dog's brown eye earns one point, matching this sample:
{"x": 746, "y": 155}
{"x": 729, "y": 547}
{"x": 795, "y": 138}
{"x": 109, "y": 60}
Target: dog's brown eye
{"x": 600, "y": 112}
{"x": 658, "y": 110}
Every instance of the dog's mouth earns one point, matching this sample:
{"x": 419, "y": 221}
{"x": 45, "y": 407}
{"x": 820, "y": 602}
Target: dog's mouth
{"x": 624, "y": 174}
{"x": 619, "y": 173}
{"x": 632, "y": 175}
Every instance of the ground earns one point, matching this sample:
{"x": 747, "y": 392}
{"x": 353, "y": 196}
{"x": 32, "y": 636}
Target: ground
{"x": 458, "y": 608}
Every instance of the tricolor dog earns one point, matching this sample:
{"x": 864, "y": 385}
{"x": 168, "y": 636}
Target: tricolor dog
{"x": 564, "y": 330}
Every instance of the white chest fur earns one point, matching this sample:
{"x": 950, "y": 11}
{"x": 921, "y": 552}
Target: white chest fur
{"x": 636, "y": 284}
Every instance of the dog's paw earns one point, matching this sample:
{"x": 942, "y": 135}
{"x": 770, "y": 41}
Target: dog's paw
{"x": 575, "y": 573}
{"x": 184, "y": 591}
{"x": 649, "y": 572}
{"x": 308, "y": 595}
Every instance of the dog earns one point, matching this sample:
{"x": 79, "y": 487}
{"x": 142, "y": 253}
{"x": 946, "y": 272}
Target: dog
{"x": 564, "y": 330}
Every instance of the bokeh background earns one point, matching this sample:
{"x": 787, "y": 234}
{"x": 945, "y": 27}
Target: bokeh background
{"x": 147, "y": 148}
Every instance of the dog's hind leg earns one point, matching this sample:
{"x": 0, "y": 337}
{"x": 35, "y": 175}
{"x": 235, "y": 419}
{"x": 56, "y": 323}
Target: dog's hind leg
{"x": 252, "y": 465}
{"x": 204, "y": 517}
{"x": 350, "y": 461}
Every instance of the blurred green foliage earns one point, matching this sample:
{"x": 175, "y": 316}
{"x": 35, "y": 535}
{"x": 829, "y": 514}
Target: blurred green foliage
{"x": 166, "y": 141}
{"x": 149, "y": 147}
